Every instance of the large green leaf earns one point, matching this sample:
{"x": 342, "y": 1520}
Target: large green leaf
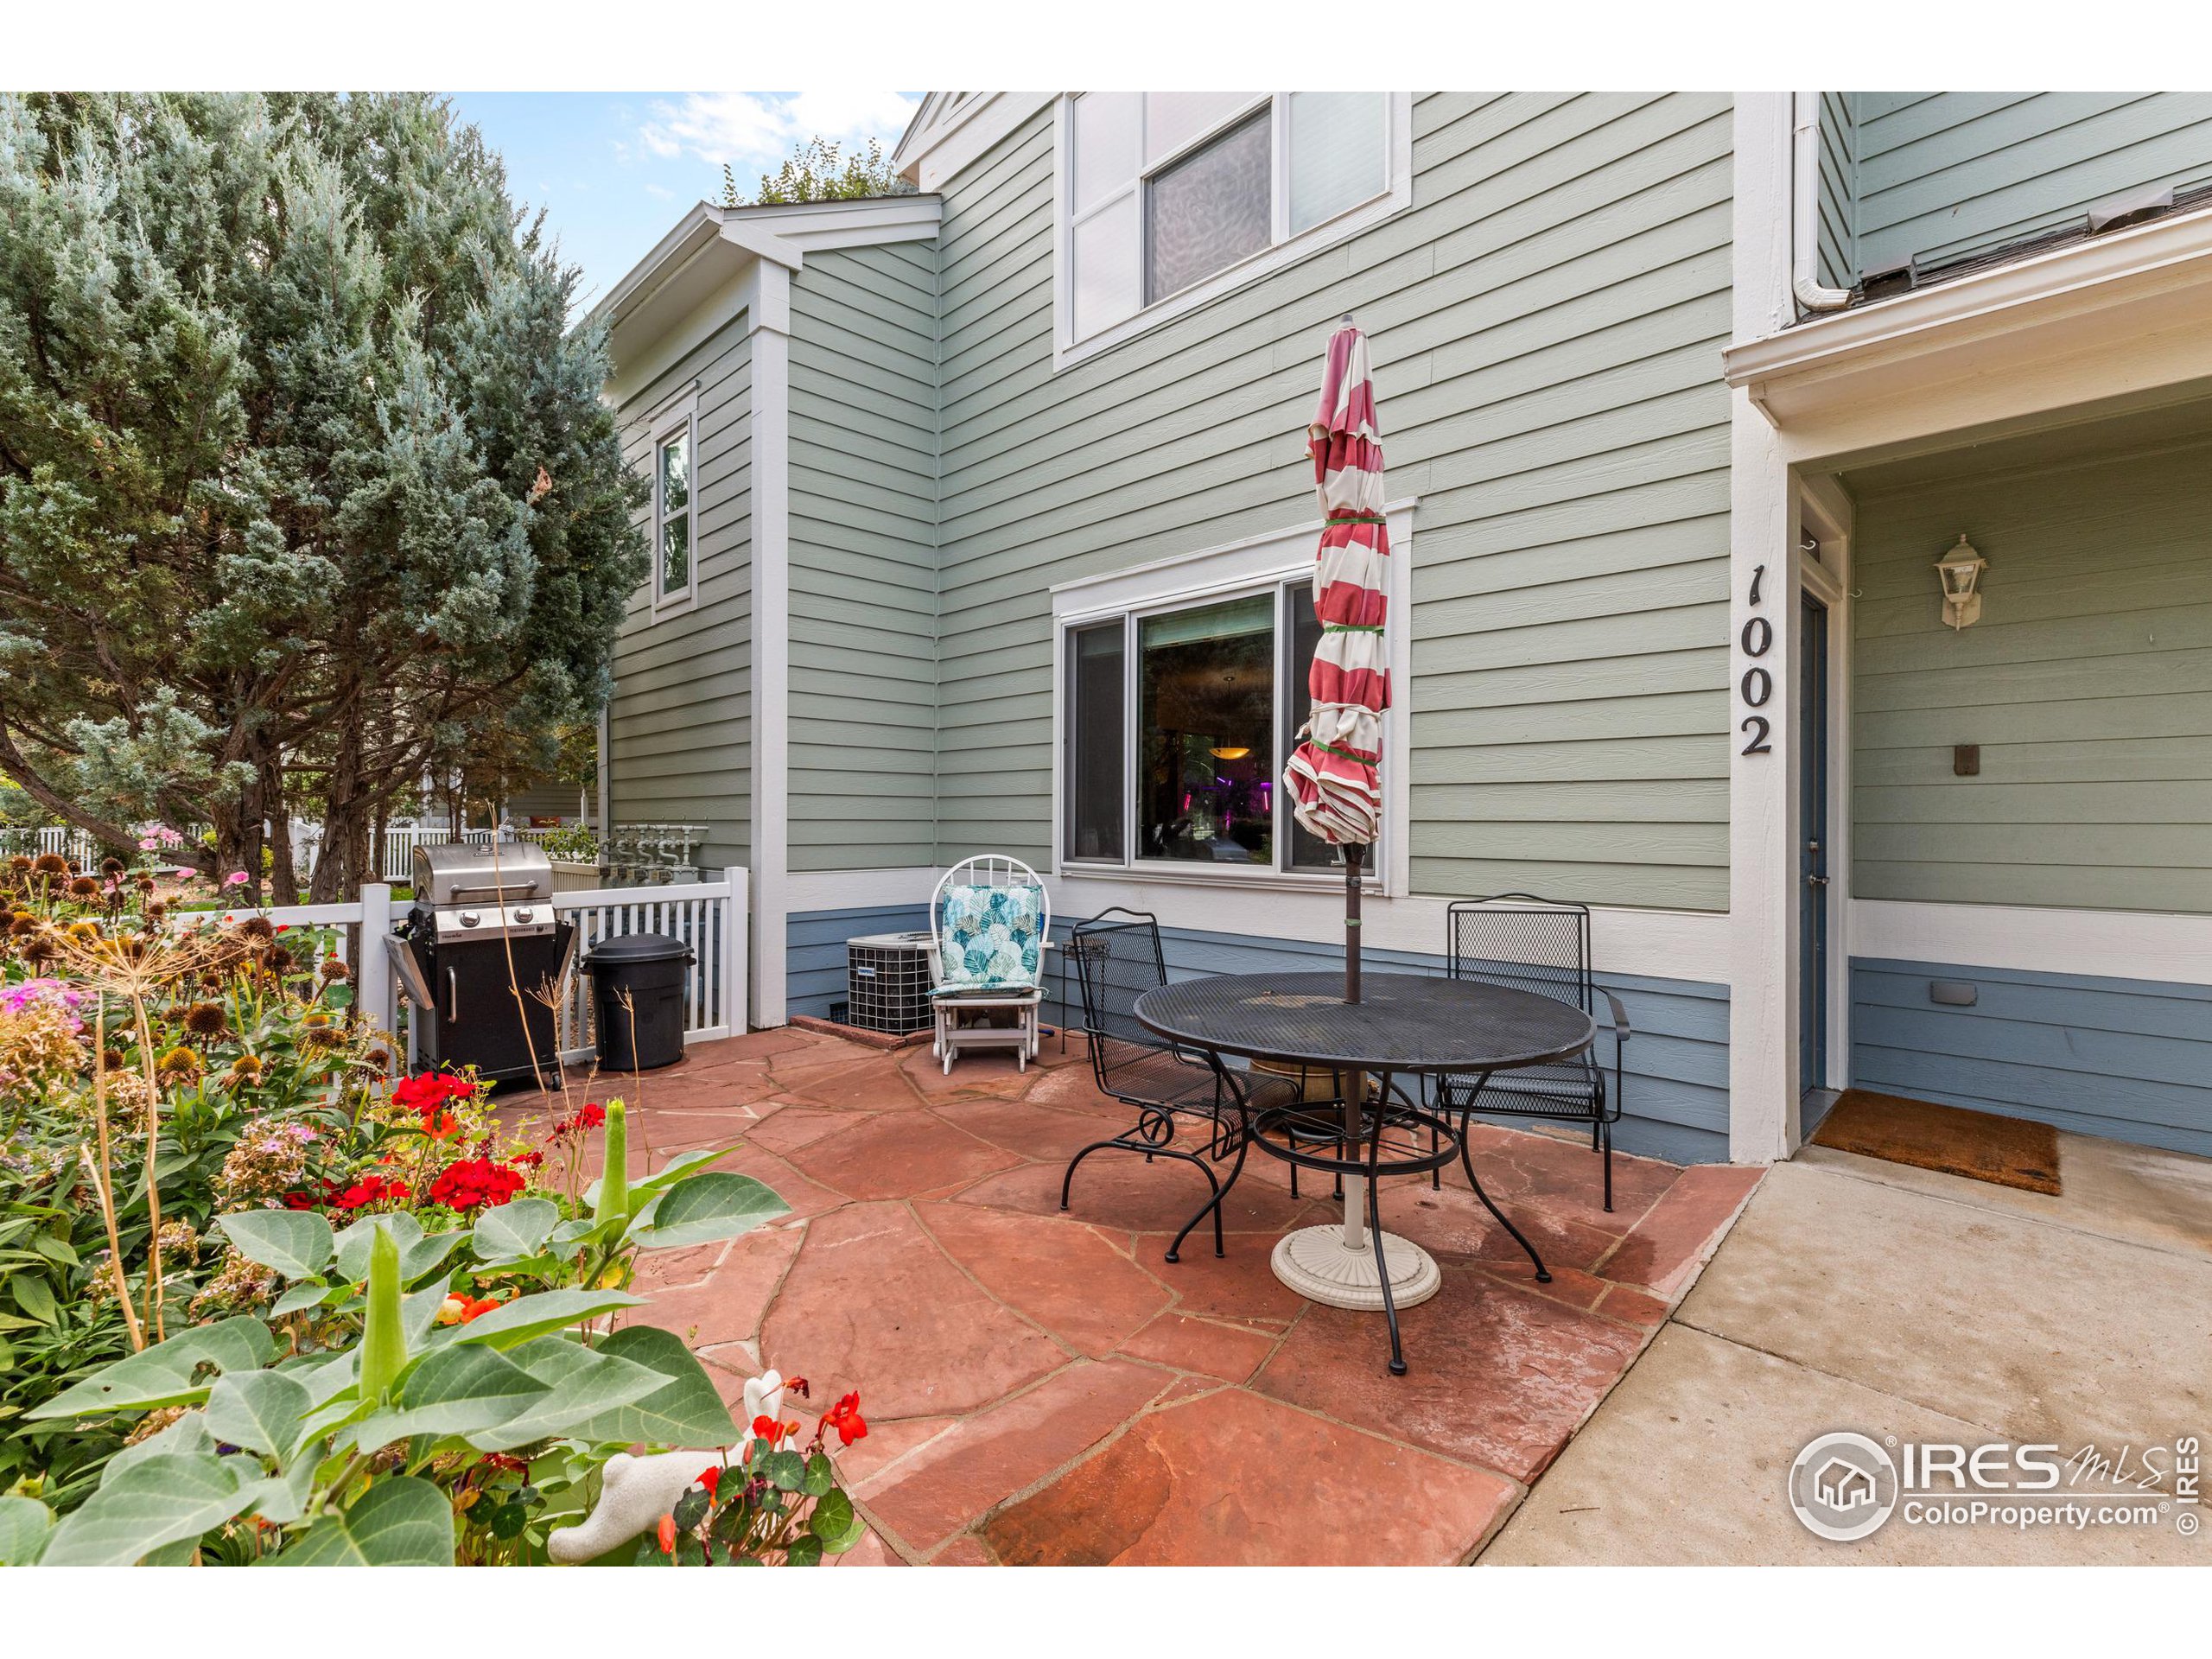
{"x": 353, "y": 1243}
{"x": 309, "y": 1294}
{"x": 399, "y": 1521}
{"x": 25, "y": 1523}
{"x": 260, "y": 1411}
{"x": 539, "y": 1315}
{"x": 295, "y": 1242}
{"x": 167, "y": 1373}
{"x": 835, "y": 1522}
{"x": 686, "y": 1410}
{"x": 703, "y": 1208}
{"x": 457, "y": 1390}
{"x": 581, "y": 1383}
{"x": 506, "y": 1232}
{"x": 424, "y": 1254}
{"x": 138, "y": 1508}
{"x": 676, "y": 1169}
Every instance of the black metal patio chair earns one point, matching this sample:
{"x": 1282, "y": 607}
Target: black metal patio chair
{"x": 1528, "y": 943}
{"x": 1118, "y": 957}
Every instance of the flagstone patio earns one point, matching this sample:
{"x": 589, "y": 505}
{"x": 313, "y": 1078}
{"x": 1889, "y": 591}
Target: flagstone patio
{"x": 1041, "y": 1387}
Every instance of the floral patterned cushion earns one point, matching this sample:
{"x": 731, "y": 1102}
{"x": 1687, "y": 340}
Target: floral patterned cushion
{"x": 989, "y": 938}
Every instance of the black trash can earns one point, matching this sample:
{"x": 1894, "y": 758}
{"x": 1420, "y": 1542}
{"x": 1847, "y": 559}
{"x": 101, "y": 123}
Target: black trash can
{"x": 645, "y": 970}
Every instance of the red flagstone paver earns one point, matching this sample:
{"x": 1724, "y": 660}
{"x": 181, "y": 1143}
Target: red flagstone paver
{"x": 1226, "y": 1351}
{"x": 897, "y": 1154}
{"x": 969, "y": 1471}
{"x": 1120, "y": 1190}
{"x": 1042, "y": 1386}
{"x": 872, "y": 1304}
{"x": 1681, "y": 1229}
{"x": 1498, "y": 1378}
{"x": 1059, "y": 1273}
{"x": 1232, "y": 1480}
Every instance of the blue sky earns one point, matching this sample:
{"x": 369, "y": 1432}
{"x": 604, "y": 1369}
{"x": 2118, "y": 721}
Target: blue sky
{"x": 614, "y": 170}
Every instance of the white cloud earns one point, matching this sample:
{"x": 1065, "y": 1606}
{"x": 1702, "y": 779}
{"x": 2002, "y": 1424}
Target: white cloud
{"x": 754, "y": 132}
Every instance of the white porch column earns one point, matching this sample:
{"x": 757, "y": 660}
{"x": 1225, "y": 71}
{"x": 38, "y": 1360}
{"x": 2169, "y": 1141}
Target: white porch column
{"x": 1763, "y": 617}
{"x": 769, "y": 318}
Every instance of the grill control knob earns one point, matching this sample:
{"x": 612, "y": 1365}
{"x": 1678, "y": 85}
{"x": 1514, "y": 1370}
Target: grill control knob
{"x": 523, "y": 917}
{"x": 469, "y": 918}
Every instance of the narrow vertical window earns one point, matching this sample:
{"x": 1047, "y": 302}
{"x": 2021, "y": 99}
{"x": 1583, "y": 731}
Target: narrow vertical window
{"x": 675, "y": 494}
{"x": 1096, "y": 748}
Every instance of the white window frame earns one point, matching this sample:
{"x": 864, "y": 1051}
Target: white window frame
{"x": 1257, "y": 564}
{"x": 1283, "y": 248}
{"x": 681, "y": 417}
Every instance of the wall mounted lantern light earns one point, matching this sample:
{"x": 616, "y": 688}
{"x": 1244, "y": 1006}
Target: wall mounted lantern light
{"x": 1960, "y": 569}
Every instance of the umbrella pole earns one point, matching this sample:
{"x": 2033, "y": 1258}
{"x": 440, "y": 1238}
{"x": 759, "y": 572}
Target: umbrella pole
{"x": 1353, "y": 855}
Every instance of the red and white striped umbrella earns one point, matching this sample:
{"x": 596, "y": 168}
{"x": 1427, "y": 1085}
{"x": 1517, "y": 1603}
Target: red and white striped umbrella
{"x": 1332, "y": 772}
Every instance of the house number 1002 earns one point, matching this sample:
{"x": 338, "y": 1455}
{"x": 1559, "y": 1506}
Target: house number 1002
{"x": 1757, "y": 686}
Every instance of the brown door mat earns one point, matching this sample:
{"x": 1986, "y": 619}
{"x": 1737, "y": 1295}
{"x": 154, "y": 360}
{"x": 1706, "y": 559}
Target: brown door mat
{"x": 1982, "y": 1146}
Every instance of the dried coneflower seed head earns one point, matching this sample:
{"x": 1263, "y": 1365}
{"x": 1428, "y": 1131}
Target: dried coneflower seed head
{"x": 24, "y": 923}
{"x": 279, "y": 960}
{"x": 83, "y": 932}
{"x": 40, "y": 948}
{"x": 180, "y": 1065}
{"x": 378, "y": 1057}
{"x": 20, "y": 864}
{"x": 314, "y": 1017}
{"x": 333, "y": 969}
{"x": 256, "y": 927}
{"x": 111, "y": 1060}
{"x": 49, "y": 864}
{"x": 84, "y": 887}
{"x": 112, "y": 867}
{"x": 246, "y": 1069}
{"x": 156, "y": 910}
{"x": 206, "y": 1020}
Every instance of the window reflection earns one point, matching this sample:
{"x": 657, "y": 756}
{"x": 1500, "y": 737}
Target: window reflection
{"x": 1206, "y": 772}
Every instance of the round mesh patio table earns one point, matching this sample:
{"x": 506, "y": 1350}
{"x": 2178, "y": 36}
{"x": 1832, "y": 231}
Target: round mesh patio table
{"x": 1404, "y": 1025}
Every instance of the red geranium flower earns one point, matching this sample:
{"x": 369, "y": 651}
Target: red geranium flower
{"x": 370, "y": 1189}
{"x": 474, "y": 1184}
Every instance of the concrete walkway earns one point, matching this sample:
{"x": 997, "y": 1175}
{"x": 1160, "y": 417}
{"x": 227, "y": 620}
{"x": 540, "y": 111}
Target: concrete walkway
{"x": 1856, "y": 1295}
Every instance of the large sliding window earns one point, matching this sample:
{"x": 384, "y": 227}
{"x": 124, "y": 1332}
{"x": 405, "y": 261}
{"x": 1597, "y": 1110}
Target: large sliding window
{"x": 1178, "y": 721}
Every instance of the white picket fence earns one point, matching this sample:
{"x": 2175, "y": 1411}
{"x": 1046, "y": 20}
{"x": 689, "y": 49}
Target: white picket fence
{"x": 76, "y": 845}
{"x": 708, "y": 916}
{"x": 399, "y": 845}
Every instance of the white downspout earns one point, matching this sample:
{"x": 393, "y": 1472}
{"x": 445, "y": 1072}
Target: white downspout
{"x": 1805, "y": 223}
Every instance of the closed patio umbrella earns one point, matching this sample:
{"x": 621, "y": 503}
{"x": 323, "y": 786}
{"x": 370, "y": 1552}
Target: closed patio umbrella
{"x": 1332, "y": 772}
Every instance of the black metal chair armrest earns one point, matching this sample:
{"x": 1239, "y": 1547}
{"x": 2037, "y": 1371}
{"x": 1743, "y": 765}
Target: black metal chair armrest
{"x": 1620, "y": 1026}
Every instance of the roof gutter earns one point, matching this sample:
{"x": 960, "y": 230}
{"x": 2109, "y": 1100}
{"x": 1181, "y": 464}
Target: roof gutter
{"x": 1805, "y": 224}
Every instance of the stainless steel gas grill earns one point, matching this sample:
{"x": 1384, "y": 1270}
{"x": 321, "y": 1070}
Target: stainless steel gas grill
{"x": 482, "y": 927}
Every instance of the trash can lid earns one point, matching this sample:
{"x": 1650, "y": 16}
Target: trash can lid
{"x": 638, "y": 947}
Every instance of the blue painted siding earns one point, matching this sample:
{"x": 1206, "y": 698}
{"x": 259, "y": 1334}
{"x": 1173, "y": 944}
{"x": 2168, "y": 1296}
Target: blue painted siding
{"x": 2129, "y": 1059}
{"x": 1677, "y": 1088}
{"x": 814, "y": 951}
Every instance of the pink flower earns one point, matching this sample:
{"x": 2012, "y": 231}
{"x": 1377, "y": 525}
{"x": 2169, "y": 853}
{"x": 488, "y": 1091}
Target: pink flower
{"x": 235, "y": 879}
{"x": 148, "y": 844}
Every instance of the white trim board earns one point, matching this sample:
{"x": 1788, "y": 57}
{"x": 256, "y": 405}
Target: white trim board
{"x": 2103, "y": 944}
{"x": 769, "y": 321}
{"x": 1678, "y": 944}
{"x": 949, "y": 133}
{"x": 1762, "y": 796}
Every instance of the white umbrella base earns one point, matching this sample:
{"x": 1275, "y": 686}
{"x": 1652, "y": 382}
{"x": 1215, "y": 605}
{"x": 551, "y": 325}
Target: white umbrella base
{"x": 1317, "y": 1264}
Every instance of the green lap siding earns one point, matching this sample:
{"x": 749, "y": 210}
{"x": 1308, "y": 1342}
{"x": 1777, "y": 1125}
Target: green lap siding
{"x": 680, "y": 726}
{"x": 1937, "y": 173}
{"x": 2087, "y": 684}
{"x": 1546, "y": 321}
{"x": 863, "y": 541}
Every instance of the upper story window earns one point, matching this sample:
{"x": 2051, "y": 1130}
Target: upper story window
{"x": 1167, "y": 199}
{"x": 675, "y": 530}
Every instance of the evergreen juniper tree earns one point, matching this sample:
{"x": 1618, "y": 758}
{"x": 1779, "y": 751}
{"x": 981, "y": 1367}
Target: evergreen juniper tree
{"x": 306, "y": 487}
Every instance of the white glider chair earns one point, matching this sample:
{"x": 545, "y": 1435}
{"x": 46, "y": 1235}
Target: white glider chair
{"x": 990, "y": 916}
